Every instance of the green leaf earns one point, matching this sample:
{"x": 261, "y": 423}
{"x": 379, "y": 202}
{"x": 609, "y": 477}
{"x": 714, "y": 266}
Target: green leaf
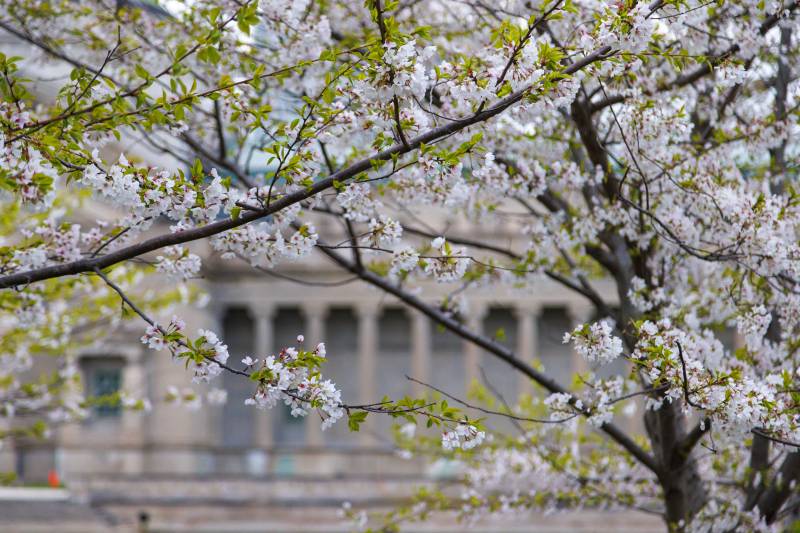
{"x": 355, "y": 420}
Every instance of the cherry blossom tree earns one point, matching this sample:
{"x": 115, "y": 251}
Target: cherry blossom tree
{"x": 650, "y": 146}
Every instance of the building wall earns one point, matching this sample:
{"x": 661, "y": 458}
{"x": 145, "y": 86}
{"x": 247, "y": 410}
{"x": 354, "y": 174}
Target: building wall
{"x": 373, "y": 344}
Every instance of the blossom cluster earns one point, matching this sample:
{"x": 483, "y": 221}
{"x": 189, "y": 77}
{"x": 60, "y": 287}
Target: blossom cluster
{"x": 207, "y": 352}
{"x": 449, "y": 265}
{"x": 24, "y": 167}
{"x": 595, "y": 342}
{"x": 292, "y": 377}
{"x": 178, "y": 262}
{"x": 463, "y": 436}
{"x": 192, "y": 400}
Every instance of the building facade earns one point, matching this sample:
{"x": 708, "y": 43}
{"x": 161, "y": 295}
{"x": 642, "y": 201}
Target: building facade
{"x": 373, "y": 344}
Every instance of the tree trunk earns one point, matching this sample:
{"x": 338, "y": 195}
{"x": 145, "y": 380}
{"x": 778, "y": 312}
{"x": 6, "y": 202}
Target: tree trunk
{"x": 684, "y": 493}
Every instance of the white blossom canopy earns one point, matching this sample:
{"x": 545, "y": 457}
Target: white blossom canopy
{"x": 651, "y": 146}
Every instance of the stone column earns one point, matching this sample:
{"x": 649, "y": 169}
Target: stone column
{"x": 214, "y": 320}
{"x": 738, "y": 339}
{"x": 8, "y": 452}
{"x": 215, "y": 316}
{"x": 263, "y": 314}
{"x": 420, "y": 351}
{"x": 367, "y": 358}
{"x": 314, "y": 333}
{"x": 527, "y": 314}
{"x": 134, "y": 382}
{"x": 472, "y": 353}
{"x": 579, "y": 313}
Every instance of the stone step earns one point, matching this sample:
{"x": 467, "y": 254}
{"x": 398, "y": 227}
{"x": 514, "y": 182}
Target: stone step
{"x": 206, "y": 505}
{"x": 325, "y": 520}
{"x": 274, "y": 491}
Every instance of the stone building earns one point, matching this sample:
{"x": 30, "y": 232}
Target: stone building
{"x": 373, "y": 343}
{"x": 233, "y": 461}
{"x": 170, "y": 461}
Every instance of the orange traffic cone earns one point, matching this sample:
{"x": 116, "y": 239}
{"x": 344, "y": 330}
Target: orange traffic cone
{"x": 53, "y": 479}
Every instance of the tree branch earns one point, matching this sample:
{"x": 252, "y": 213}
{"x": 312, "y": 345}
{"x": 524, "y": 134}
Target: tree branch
{"x": 496, "y": 349}
{"x": 343, "y": 175}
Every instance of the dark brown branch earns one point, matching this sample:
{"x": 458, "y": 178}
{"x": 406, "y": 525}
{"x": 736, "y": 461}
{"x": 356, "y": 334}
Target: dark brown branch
{"x": 686, "y": 396}
{"x": 781, "y": 488}
{"x": 583, "y": 289}
{"x": 701, "y": 71}
{"x": 759, "y": 463}
{"x": 684, "y": 449}
{"x": 343, "y": 175}
{"x": 490, "y": 411}
{"x": 495, "y": 348}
